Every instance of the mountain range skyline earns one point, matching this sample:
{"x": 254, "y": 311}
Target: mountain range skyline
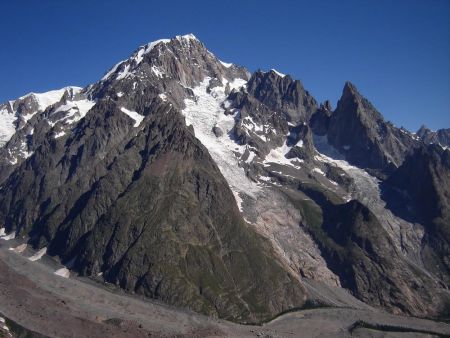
{"x": 395, "y": 53}
{"x": 194, "y": 182}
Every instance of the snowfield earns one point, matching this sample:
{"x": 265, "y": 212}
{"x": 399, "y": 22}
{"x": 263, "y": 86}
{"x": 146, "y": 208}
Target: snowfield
{"x": 204, "y": 112}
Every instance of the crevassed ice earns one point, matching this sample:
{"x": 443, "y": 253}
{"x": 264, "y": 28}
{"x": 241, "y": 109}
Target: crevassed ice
{"x": 278, "y": 155}
{"x": 203, "y": 113}
{"x": 368, "y": 190}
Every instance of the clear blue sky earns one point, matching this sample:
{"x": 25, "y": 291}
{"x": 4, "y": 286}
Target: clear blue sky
{"x": 396, "y": 52}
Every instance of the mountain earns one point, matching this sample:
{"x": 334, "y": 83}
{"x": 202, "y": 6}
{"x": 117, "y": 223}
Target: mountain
{"x": 441, "y": 136}
{"x": 280, "y": 92}
{"x": 16, "y": 113}
{"x": 27, "y": 121}
{"x": 128, "y": 191}
{"x": 360, "y": 132}
{"x": 426, "y": 200}
{"x": 195, "y": 182}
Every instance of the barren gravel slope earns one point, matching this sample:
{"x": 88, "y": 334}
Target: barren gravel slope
{"x": 34, "y": 297}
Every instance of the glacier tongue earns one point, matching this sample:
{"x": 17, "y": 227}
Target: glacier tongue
{"x": 367, "y": 191}
{"x": 274, "y": 217}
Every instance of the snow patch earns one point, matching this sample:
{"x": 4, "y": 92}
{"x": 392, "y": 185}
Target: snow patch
{"x": 12, "y": 235}
{"x": 134, "y": 115}
{"x": 278, "y": 156}
{"x": 225, "y": 64}
{"x": 188, "y": 37}
{"x": 123, "y": 74}
{"x": 75, "y": 111}
{"x": 111, "y": 71}
{"x": 38, "y": 255}
{"x": 19, "y": 249}
{"x": 24, "y": 150}
{"x": 250, "y": 157}
{"x": 157, "y": 71}
{"x": 238, "y": 199}
{"x": 63, "y": 272}
{"x": 60, "y": 134}
{"x": 319, "y": 171}
{"x": 278, "y": 73}
{"x": 153, "y": 44}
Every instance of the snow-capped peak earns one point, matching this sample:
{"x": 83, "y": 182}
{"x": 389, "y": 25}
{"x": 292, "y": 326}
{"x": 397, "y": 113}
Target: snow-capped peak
{"x": 278, "y": 73}
{"x": 186, "y": 37}
{"x": 39, "y": 102}
{"x": 46, "y": 99}
{"x": 226, "y": 64}
{"x": 138, "y": 56}
{"x": 148, "y": 47}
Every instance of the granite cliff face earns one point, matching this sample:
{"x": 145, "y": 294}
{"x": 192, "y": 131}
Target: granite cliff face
{"x": 192, "y": 181}
{"x": 280, "y": 92}
{"x": 360, "y": 132}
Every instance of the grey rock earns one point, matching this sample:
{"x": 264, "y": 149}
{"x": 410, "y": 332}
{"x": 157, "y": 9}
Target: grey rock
{"x": 320, "y": 120}
{"x": 441, "y": 136}
{"x": 282, "y": 94}
{"x": 419, "y": 190}
{"x": 217, "y": 131}
{"x": 357, "y": 129}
